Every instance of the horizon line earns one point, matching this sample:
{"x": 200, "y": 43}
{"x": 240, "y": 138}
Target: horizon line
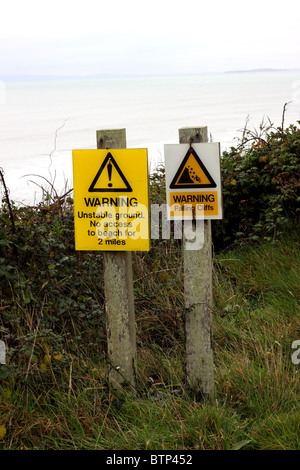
{"x": 44, "y": 77}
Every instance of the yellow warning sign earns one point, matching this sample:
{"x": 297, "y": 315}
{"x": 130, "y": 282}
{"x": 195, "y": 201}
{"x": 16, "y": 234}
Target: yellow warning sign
{"x": 192, "y": 173}
{"x": 111, "y": 200}
{"x": 193, "y": 181}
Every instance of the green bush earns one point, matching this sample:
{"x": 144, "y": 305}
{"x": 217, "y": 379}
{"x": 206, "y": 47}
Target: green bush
{"x": 261, "y": 188}
{"x": 54, "y": 392}
{"x": 45, "y": 284}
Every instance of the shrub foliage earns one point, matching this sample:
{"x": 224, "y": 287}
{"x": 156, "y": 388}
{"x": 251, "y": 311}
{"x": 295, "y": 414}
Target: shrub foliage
{"x": 53, "y": 388}
{"x": 261, "y": 187}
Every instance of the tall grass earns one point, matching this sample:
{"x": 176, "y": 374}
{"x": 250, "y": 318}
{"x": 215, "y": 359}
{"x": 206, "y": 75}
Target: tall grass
{"x": 54, "y": 393}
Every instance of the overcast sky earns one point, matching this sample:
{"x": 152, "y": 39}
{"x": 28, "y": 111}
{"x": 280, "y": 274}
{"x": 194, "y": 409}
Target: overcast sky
{"x": 117, "y": 37}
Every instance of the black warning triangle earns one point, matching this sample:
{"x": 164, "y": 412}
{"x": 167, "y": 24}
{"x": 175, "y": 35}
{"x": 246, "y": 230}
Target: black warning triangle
{"x": 110, "y": 165}
{"x": 192, "y": 173}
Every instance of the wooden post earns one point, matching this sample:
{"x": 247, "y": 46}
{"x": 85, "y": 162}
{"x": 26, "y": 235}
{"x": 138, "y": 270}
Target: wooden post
{"x": 119, "y": 299}
{"x": 198, "y": 301}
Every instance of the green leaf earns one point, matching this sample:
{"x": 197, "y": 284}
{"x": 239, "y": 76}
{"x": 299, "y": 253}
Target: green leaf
{"x": 241, "y": 444}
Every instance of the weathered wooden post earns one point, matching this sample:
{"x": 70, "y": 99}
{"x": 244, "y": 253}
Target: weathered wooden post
{"x": 198, "y": 301}
{"x": 118, "y": 289}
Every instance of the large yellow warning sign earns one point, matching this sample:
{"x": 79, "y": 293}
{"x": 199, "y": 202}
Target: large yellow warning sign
{"x": 111, "y": 200}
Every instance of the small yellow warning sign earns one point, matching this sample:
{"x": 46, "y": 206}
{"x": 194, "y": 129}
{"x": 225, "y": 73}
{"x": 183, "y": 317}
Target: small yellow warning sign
{"x": 111, "y": 206}
{"x": 193, "y": 181}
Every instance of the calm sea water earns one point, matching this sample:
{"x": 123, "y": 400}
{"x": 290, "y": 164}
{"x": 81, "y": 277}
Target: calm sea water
{"x": 151, "y": 109}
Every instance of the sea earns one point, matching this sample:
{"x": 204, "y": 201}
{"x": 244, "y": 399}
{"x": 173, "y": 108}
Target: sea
{"x": 42, "y": 121}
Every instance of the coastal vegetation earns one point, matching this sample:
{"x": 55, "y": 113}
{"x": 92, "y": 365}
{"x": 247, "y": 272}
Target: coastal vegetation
{"x": 54, "y": 392}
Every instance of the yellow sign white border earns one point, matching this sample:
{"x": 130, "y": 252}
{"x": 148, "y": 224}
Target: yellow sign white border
{"x": 196, "y": 202}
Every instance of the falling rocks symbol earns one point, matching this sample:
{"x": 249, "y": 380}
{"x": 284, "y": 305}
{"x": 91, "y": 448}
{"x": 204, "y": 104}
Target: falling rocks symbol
{"x": 192, "y": 173}
{"x": 185, "y": 177}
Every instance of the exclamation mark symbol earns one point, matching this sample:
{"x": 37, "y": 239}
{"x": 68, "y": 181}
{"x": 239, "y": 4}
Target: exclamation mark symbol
{"x": 109, "y": 170}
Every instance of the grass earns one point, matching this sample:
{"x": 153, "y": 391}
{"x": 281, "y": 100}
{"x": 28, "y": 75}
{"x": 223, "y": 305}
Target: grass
{"x": 54, "y": 393}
